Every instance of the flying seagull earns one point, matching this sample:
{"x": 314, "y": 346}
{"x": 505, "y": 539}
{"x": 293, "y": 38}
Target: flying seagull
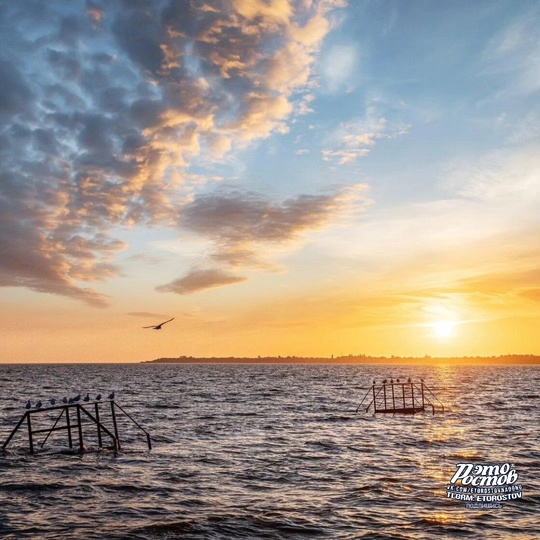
{"x": 158, "y": 326}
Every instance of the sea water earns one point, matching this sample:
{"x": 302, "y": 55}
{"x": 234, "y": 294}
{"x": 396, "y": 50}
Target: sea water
{"x": 273, "y": 452}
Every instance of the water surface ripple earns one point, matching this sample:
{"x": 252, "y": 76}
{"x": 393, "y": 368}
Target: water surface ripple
{"x": 271, "y": 452}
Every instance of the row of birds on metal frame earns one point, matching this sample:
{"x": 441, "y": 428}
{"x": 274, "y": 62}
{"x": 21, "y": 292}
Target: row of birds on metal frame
{"x": 67, "y": 401}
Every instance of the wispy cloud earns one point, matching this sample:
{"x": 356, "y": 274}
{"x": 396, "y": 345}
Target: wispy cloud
{"x": 146, "y": 314}
{"x": 338, "y": 66}
{"x": 354, "y": 139}
{"x": 201, "y": 279}
{"x": 514, "y": 53}
{"x": 508, "y": 176}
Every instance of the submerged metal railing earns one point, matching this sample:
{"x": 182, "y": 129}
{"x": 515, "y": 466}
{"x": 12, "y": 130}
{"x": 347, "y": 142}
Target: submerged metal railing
{"x": 397, "y": 397}
{"x": 65, "y": 412}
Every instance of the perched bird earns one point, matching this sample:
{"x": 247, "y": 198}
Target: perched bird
{"x": 28, "y": 404}
{"x": 409, "y": 379}
{"x": 70, "y": 401}
{"x": 384, "y": 382}
{"x": 52, "y": 401}
{"x": 158, "y": 326}
{"x": 111, "y": 395}
{"x": 397, "y": 380}
{"x": 38, "y": 404}
{"x": 77, "y": 398}
{"x": 87, "y": 397}
{"x": 392, "y": 381}
{"x": 98, "y": 397}
{"x": 65, "y": 400}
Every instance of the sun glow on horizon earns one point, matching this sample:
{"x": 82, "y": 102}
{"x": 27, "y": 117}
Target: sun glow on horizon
{"x": 444, "y": 329}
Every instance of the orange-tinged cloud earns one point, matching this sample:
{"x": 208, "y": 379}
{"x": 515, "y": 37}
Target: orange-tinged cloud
{"x": 201, "y": 279}
{"x": 112, "y": 134}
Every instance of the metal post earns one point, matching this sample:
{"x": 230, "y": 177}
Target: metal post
{"x": 393, "y": 398}
{"x": 423, "y": 404}
{"x": 115, "y": 425}
{"x": 374, "y": 402}
{"x": 79, "y": 424}
{"x": 149, "y": 441}
{"x": 403, "y": 394}
{"x": 97, "y": 424}
{"x": 68, "y": 423}
{"x": 384, "y": 393}
{"x": 412, "y": 395}
{"x": 30, "y": 440}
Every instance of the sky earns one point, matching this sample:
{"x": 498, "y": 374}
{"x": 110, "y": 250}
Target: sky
{"x": 283, "y": 177}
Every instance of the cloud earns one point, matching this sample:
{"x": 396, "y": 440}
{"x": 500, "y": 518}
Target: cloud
{"x": 242, "y": 225}
{"x": 354, "y": 139}
{"x": 200, "y": 280}
{"x": 475, "y": 249}
{"x": 15, "y": 91}
{"x": 147, "y": 314}
{"x": 337, "y": 67}
{"x": 104, "y": 109}
{"x": 507, "y": 176}
{"x": 513, "y": 53}
{"x": 304, "y": 106}
{"x": 148, "y": 259}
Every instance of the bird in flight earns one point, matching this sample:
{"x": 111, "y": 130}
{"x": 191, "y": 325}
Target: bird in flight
{"x": 158, "y": 326}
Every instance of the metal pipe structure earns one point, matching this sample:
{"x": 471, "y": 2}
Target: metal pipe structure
{"x": 79, "y": 425}
{"x": 30, "y": 440}
{"x": 68, "y": 424}
{"x": 100, "y": 444}
{"x": 80, "y": 410}
{"x": 148, "y": 440}
{"x": 404, "y": 404}
{"x": 52, "y": 429}
{"x": 113, "y": 414}
{"x": 15, "y": 429}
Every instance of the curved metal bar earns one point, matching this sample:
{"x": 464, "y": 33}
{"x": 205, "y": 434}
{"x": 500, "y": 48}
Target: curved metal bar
{"x": 148, "y": 440}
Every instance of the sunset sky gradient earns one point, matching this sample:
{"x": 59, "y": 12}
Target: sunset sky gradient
{"x": 284, "y": 177}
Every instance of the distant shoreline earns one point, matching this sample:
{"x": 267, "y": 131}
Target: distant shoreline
{"x": 504, "y": 360}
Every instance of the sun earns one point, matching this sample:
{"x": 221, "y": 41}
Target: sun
{"x": 444, "y": 329}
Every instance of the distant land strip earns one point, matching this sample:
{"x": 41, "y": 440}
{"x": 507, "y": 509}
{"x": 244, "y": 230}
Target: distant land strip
{"x": 509, "y": 359}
